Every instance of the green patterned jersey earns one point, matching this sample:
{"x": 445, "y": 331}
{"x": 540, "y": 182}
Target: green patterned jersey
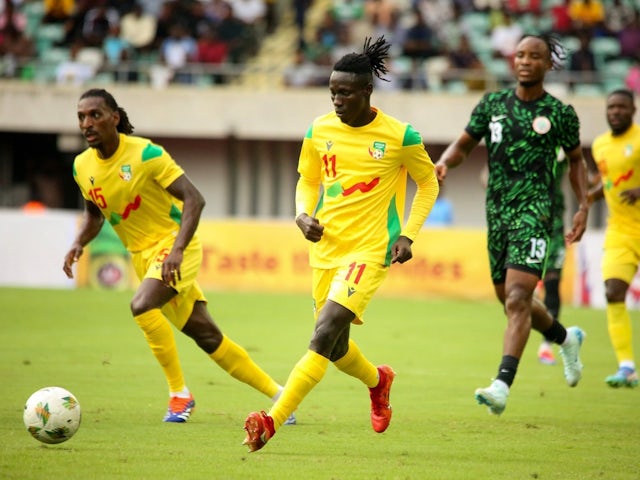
{"x": 522, "y": 139}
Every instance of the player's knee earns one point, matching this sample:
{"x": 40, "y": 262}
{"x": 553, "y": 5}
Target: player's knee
{"x": 205, "y": 333}
{"x": 138, "y": 305}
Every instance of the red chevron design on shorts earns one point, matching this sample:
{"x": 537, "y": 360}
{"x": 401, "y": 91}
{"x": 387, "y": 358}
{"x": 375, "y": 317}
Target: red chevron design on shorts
{"x": 363, "y": 187}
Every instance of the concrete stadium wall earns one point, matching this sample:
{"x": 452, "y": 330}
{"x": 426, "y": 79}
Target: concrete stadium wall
{"x": 240, "y": 147}
{"x": 191, "y": 112}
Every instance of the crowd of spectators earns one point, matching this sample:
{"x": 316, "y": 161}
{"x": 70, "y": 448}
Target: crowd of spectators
{"x": 171, "y": 34}
{"x": 465, "y": 41}
{"x": 472, "y": 40}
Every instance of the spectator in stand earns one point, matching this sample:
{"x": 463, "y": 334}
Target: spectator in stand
{"x": 586, "y": 14}
{"x": 520, "y": 7}
{"x": 232, "y": 31}
{"x": 302, "y": 72}
{"x": 344, "y": 45}
{"x": 212, "y": 51}
{"x": 633, "y": 78}
{"x": 465, "y": 65}
{"x": 562, "y": 23}
{"x": 618, "y": 15}
{"x": 74, "y": 24}
{"x": 116, "y": 50}
{"x": 138, "y": 28}
{"x": 327, "y": 32}
{"x": 436, "y": 13}
{"x": 201, "y": 20}
{"x": 176, "y": 51}
{"x": 271, "y": 17}
{"x": 98, "y": 22}
{"x": 165, "y": 18}
{"x": 72, "y": 71}
{"x": 582, "y": 63}
{"x": 347, "y": 11}
{"x": 300, "y": 18}
{"x": 252, "y": 13}
{"x": 505, "y": 37}
{"x": 419, "y": 44}
{"x": 629, "y": 38}
{"x": 12, "y": 16}
{"x": 383, "y": 11}
{"x": 58, "y": 11}
{"x": 15, "y": 50}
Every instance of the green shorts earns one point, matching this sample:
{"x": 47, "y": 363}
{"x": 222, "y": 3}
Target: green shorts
{"x": 524, "y": 249}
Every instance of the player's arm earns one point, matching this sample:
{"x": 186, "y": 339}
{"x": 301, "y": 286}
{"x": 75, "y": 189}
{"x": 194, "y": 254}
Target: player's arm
{"x": 192, "y": 205}
{"x": 456, "y": 153}
{"x": 308, "y": 191}
{"x": 578, "y": 180}
{"x": 307, "y": 196}
{"x": 92, "y": 220}
{"x": 596, "y": 189}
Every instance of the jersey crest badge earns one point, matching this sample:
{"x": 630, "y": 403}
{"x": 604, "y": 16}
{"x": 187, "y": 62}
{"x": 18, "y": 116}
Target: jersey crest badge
{"x": 125, "y": 172}
{"x": 541, "y": 125}
{"x": 377, "y": 150}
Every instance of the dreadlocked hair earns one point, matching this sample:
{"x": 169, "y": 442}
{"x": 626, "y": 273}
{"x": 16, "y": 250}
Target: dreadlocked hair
{"x": 370, "y": 62}
{"x": 557, "y": 51}
{"x": 124, "y": 126}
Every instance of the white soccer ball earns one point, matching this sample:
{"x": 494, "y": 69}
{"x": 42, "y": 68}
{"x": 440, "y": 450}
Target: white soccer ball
{"x": 52, "y": 415}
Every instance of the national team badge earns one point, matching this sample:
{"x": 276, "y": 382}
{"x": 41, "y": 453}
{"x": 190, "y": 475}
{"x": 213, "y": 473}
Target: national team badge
{"x": 125, "y": 172}
{"x": 541, "y": 125}
{"x": 377, "y": 150}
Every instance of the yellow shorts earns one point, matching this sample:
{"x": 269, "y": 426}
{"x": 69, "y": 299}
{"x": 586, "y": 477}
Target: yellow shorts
{"x": 148, "y": 264}
{"x": 621, "y": 256}
{"x": 351, "y": 286}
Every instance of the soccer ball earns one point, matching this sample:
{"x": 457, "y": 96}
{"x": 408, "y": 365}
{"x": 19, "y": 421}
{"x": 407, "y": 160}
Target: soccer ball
{"x": 52, "y": 415}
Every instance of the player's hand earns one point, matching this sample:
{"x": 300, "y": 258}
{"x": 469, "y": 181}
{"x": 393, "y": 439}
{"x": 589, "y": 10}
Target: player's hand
{"x": 630, "y": 196}
{"x": 401, "y": 250}
{"x": 578, "y": 228}
{"x": 310, "y": 227}
{"x": 441, "y": 172}
{"x": 171, "y": 267}
{"x": 72, "y": 256}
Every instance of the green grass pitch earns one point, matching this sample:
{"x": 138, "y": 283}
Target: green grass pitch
{"x": 442, "y": 350}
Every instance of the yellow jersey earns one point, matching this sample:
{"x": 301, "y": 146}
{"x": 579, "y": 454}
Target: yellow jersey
{"x": 354, "y": 179}
{"x": 618, "y": 160}
{"x": 130, "y": 190}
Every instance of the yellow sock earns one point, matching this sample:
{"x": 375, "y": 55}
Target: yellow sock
{"x": 236, "y": 362}
{"x": 355, "y": 364}
{"x": 619, "y": 324}
{"x": 159, "y": 334}
{"x": 305, "y": 375}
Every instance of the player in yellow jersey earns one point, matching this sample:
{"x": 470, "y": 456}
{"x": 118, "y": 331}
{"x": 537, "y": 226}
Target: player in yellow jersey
{"x": 155, "y": 210}
{"x": 349, "y": 205}
{"x": 617, "y": 156}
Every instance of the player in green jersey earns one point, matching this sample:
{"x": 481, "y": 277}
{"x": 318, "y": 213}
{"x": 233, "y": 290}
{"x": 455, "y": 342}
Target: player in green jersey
{"x": 555, "y": 259}
{"x": 522, "y": 128}
{"x": 349, "y": 204}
